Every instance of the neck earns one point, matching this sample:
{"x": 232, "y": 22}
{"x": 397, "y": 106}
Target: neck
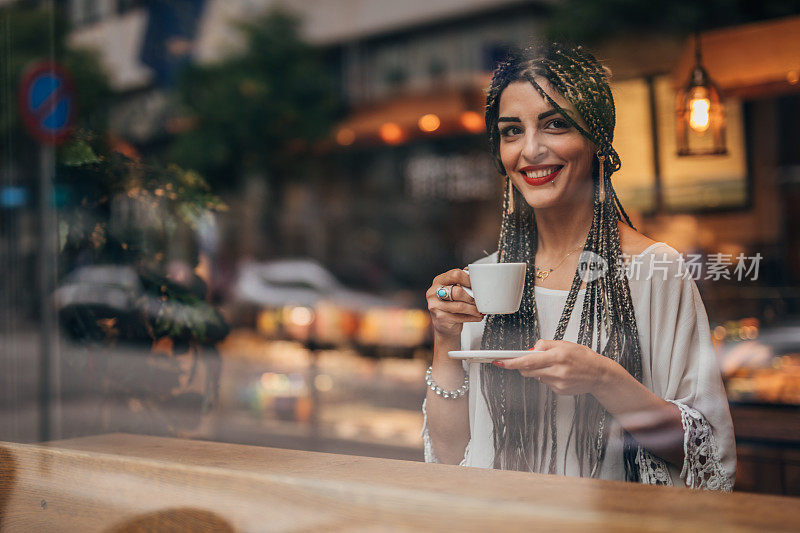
{"x": 562, "y": 228}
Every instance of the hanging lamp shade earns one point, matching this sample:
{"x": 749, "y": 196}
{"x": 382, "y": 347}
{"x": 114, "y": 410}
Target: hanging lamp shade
{"x": 700, "y": 113}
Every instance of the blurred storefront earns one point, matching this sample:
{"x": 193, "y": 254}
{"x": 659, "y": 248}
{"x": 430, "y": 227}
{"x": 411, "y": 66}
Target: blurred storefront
{"x": 756, "y": 323}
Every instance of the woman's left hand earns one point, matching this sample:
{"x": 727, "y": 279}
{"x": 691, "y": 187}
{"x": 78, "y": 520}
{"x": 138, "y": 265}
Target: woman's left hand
{"x": 566, "y": 367}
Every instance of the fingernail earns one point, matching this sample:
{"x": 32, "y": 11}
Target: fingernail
{"x": 498, "y": 363}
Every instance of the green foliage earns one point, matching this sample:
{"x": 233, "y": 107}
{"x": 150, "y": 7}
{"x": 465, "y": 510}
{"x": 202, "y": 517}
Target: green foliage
{"x": 593, "y": 21}
{"x": 78, "y": 153}
{"x": 141, "y": 214}
{"x": 163, "y": 205}
{"x": 181, "y": 314}
{"x": 259, "y": 111}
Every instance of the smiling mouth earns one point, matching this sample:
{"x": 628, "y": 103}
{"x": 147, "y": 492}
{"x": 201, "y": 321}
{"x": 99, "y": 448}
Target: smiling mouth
{"x": 542, "y": 175}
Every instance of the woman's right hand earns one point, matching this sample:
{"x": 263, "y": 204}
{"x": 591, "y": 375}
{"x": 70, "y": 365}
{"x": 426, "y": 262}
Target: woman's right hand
{"x": 448, "y": 318}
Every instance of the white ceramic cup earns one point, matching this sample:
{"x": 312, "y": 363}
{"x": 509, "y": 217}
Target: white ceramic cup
{"x": 497, "y": 287}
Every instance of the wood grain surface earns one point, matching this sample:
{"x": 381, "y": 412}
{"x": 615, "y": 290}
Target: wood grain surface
{"x": 122, "y": 482}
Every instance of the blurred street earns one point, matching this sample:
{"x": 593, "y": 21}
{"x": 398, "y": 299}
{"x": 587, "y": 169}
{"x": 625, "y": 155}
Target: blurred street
{"x": 269, "y": 396}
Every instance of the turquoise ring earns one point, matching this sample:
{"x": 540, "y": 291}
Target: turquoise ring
{"x": 445, "y": 293}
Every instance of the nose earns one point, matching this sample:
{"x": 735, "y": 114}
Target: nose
{"x": 534, "y": 150}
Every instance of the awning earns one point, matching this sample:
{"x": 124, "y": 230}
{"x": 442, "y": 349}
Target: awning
{"x": 748, "y": 61}
{"x": 448, "y": 104}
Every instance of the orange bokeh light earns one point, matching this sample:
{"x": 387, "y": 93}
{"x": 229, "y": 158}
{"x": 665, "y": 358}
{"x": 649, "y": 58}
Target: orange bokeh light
{"x": 391, "y": 133}
{"x": 429, "y": 122}
{"x": 472, "y": 121}
{"x": 345, "y": 136}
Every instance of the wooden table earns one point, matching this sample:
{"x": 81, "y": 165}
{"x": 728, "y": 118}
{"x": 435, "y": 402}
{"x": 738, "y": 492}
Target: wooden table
{"x": 122, "y": 482}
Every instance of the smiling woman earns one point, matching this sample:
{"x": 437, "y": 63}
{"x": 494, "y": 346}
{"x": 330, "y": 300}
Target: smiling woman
{"x": 624, "y": 383}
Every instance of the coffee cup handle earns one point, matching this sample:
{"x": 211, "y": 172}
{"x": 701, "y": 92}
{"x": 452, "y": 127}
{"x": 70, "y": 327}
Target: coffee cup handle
{"x": 467, "y": 289}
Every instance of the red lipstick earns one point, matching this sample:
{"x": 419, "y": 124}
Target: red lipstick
{"x": 543, "y": 179}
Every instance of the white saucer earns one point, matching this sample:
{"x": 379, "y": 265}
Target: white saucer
{"x": 487, "y": 356}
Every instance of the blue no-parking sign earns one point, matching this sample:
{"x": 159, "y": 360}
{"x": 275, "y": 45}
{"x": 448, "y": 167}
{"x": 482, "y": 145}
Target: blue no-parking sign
{"x": 47, "y": 102}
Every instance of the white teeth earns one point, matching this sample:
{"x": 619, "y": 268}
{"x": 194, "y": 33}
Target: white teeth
{"x": 541, "y": 173}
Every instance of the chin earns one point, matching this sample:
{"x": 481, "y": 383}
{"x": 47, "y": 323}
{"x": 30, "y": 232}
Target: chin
{"x": 541, "y": 199}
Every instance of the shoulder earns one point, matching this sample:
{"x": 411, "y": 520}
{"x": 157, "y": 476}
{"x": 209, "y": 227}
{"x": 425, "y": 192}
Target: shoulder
{"x": 647, "y": 260}
{"x": 640, "y": 248}
{"x": 631, "y": 242}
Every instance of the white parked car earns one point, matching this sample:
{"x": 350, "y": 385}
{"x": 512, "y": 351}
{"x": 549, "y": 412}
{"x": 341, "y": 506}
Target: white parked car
{"x": 298, "y": 282}
{"x": 300, "y": 299}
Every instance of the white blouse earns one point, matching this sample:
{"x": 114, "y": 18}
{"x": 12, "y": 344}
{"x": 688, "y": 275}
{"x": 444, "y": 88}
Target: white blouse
{"x": 678, "y": 364}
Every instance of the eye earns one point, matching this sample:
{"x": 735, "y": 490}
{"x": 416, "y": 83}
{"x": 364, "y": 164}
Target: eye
{"x": 558, "y": 124}
{"x": 511, "y": 130}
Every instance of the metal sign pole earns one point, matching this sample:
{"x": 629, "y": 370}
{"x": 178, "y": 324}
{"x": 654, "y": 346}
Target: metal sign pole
{"x": 46, "y": 286}
{"x": 47, "y": 107}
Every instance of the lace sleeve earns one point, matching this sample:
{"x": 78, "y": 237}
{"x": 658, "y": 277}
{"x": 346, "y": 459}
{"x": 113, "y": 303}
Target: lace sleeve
{"x": 702, "y": 467}
{"x": 652, "y": 469}
{"x": 430, "y": 457}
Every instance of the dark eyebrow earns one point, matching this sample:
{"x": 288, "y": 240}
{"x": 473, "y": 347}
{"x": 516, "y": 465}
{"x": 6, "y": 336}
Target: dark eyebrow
{"x": 544, "y": 115}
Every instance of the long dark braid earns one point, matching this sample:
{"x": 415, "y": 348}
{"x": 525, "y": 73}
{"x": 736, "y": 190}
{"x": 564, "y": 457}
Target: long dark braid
{"x": 523, "y": 434}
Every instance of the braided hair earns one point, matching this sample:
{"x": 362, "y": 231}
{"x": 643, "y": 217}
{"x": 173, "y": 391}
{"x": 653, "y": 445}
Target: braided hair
{"x": 521, "y": 431}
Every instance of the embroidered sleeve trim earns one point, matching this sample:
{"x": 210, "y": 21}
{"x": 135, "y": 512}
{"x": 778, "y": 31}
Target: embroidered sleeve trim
{"x": 702, "y": 467}
{"x": 652, "y": 469}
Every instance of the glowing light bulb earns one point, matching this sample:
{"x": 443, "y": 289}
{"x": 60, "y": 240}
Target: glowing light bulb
{"x": 699, "y": 118}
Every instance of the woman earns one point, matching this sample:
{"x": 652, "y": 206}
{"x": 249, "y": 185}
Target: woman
{"x": 624, "y": 384}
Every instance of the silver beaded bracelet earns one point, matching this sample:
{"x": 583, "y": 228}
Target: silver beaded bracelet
{"x": 447, "y": 394}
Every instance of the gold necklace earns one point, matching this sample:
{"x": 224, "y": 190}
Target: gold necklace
{"x": 542, "y": 273}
